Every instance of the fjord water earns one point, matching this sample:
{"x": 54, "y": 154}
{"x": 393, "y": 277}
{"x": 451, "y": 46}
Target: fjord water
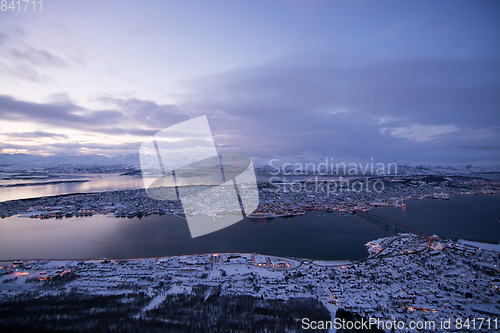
{"x": 475, "y": 217}
{"x": 307, "y": 236}
{"x": 96, "y": 182}
{"x": 327, "y": 236}
{"x": 92, "y": 182}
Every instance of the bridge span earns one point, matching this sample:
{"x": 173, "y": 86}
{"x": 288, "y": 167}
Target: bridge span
{"x": 390, "y": 225}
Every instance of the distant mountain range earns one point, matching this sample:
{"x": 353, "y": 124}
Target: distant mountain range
{"x": 59, "y": 160}
{"x": 304, "y": 162}
{"x": 310, "y": 162}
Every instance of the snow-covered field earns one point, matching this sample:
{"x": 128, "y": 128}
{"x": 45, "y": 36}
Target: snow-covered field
{"x": 484, "y": 246}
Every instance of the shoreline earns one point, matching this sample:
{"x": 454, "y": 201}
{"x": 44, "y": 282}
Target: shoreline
{"x": 479, "y": 245}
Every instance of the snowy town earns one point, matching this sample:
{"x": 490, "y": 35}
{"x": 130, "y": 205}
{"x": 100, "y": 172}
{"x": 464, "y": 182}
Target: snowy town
{"x": 405, "y": 278}
{"x": 276, "y": 198}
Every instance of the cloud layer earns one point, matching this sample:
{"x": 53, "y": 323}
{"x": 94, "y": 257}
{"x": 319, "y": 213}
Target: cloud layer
{"x": 396, "y": 81}
{"x": 407, "y": 109}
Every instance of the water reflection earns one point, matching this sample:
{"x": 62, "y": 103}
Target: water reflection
{"x": 95, "y": 183}
{"x": 316, "y": 235}
{"x": 105, "y": 182}
{"x": 98, "y": 236}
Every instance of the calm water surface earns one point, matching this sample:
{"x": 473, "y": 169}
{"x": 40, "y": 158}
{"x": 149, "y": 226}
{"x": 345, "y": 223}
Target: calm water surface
{"x": 463, "y": 216}
{"x": 307, "y": 236}
{"x": 330, "y": 236}
{"x": 99, "y": 182}
{"x": 94, "y": 183}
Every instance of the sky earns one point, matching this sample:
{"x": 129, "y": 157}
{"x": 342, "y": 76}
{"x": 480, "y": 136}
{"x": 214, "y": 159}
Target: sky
{"x": 397, "y": 81}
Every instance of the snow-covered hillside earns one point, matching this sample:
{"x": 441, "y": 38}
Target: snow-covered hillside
{"x": 27, "y": 160}
{"x": 303, "y": 162}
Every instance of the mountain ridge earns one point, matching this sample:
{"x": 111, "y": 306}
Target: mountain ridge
{"x": 304, "y": 162}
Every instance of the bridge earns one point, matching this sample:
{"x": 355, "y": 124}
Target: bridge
{"x": 394, "y": 227}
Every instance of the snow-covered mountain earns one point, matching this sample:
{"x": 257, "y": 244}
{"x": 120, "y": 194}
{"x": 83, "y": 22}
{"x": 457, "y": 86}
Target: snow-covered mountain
{"x": 27, "y": 160}
{"x": 314, "y": 162}
{"x": 449, "y": 168}
{"x": 302, "y": 162}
